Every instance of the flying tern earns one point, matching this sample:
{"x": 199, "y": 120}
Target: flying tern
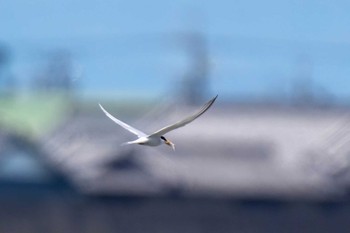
{"x": 157, "y": 138}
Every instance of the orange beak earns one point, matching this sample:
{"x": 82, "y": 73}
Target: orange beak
{"x": 169, "y": 143}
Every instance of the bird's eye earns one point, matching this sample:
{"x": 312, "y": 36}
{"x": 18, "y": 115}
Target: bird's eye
{"x": 162, "y": 137}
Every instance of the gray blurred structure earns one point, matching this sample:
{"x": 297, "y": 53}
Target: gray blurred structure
{"x": 256, "y": 151}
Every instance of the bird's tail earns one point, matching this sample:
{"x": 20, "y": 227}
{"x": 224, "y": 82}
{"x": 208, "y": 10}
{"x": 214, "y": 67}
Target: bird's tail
{"x": 129, "y": 143}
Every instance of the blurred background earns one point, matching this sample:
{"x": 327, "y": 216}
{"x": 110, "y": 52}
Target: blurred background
{"x": 271, "y": 155}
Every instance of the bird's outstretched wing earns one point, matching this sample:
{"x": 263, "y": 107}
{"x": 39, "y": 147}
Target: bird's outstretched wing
{"x": 124, "y": 125}
{"x": 186, "y": 120}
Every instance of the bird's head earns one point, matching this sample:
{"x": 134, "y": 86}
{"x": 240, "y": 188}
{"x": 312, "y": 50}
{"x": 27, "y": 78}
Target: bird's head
{"x": 167, "y": 142}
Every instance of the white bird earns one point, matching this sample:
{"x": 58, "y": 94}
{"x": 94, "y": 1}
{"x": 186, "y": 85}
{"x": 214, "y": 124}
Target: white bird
{"x": 157, "y": 138}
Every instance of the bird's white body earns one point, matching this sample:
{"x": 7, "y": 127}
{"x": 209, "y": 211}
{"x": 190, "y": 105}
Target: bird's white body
{"x": 148, "y": 141}
{"x": 157, "y": 138}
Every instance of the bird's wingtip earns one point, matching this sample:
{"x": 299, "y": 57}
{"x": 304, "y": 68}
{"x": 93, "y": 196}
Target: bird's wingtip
{"x": 101, "y": 106}
{"x": 213, "y": 99}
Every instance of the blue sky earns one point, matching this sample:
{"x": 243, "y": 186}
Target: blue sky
{"x": 255, "y": 47}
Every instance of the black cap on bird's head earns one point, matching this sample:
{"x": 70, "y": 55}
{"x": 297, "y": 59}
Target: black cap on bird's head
{"x": 167, "y": 142}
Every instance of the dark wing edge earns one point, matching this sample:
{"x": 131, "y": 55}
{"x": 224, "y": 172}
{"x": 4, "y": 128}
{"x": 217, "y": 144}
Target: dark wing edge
{"x": 187, "y": 120}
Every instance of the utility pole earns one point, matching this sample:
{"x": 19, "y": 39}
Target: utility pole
{"x": 7, "y": 81}
{"x": 195, "y": 82}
